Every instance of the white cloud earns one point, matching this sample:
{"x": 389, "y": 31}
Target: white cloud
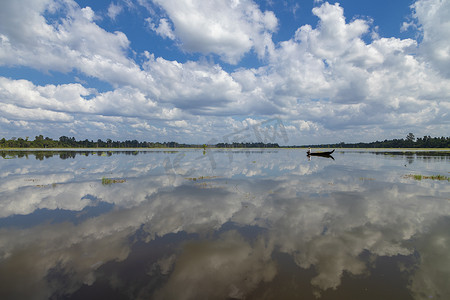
{"x": 305, "y": 125}
{"x": 124, "y": 102}
{"x": 69, "y": 99}
{"x": 406, "y": 25}
{"x": 328, "y": 76}
{"x": 75, "y": 41}
{"x": 164, "y": 28}
{"x": 433, "y": 19}
{"x": 355, "y": 83}
{"x": 11, "y": 111}
{"x": 227, "y": 28}
{"x": 114, "y": 10}
{"x": 192, "y": 86}
{"x": 333, "y": 36}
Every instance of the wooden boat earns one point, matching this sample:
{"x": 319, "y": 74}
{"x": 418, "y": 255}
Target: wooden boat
{"x": 321, "y": 153}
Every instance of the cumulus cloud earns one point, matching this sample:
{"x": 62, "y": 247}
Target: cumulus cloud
{"x": 74, "y": 41}
{"x": 432, "y": 19}
{"x": 226, "y": 28}
{"x": 193, "y": 86}
{"x": 14, "y": 112}
{"x": 355, "y": 83}
{"x": 329, "y": 76}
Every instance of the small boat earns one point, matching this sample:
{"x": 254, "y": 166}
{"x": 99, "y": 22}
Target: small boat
{"x": 320, "y": 153}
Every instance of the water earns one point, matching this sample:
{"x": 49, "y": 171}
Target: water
{"x": 222, "y": 224}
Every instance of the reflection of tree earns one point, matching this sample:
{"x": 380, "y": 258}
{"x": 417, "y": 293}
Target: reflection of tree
{"x": 410, "y": 159}
{"x": 66, "y": 155}
{"x": 41, "y": 155}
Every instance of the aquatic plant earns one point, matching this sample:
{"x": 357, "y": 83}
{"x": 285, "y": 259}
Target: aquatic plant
{"x": 108, "y": 181}
{"x": 432, "y": 177}
{"x": 200, "y": 178}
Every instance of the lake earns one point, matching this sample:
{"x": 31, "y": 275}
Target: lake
{"x": 224, "y": 224}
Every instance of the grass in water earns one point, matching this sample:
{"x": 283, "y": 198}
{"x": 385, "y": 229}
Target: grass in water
{"x": 432, "y": 177}
{"x": 108, "y": 181}
{"x": 200, "y": 178}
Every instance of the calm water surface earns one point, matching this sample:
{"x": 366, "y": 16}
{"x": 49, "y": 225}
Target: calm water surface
{"x": 219, "y": 224}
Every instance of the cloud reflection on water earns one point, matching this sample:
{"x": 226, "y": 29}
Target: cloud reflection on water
{"x": 322, "y": 213}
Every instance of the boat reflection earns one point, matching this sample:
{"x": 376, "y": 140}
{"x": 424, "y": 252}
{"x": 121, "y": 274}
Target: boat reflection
{"x": 321, "y": 155}
{"x": 327, "y": 154}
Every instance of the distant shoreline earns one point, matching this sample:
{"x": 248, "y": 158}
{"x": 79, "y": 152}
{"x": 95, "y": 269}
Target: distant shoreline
{"x": 412, "y": 149}
{"x": 64, "y": 142}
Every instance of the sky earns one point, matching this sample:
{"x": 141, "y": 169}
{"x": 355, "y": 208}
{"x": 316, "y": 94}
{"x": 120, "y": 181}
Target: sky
{"x": 191, "y": 71}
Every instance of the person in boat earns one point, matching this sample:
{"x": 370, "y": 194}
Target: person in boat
{"x": 309, "y": 151}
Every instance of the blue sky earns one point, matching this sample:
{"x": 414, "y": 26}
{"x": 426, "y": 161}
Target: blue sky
{"x": 301, "y": 72}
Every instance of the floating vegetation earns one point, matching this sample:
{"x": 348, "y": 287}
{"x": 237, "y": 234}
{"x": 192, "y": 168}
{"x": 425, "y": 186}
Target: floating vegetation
{"x": 432, "y": 177}
{"x": 198, "y": 181}
{"x": 204, "y": 185}
{"x": 52, "y": 185}
{"x": 31, "y": 179}
{"x": 200, "y": 178}
{"x": 108, "y": 181}
{"x": 365, "y": 178}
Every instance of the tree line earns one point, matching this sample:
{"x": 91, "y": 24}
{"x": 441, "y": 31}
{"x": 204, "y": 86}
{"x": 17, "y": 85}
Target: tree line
{"x": 70, "y": 142}
{"x": 409, "y": 142}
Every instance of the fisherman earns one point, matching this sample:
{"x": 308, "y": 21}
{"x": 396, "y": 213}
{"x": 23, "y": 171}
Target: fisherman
{"x": 309, "y": 151}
